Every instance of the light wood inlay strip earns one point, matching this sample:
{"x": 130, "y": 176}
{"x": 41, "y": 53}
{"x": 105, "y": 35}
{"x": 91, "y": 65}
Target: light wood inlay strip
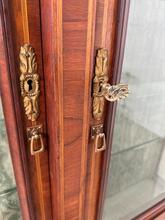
{"x": 87, "y": 110}
{"x": 25, "y": 21}
{"x": 58, "y": 42}
{"x": 105, "y": 22}
{"x": 40, "y": 185}
{"x": 37, "y": 159}
{"x": 91, "y": 207}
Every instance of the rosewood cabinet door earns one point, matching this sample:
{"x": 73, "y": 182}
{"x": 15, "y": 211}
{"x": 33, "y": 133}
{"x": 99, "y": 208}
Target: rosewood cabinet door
{"x": 62, "y": 62}
{"x": 135, "y": 182}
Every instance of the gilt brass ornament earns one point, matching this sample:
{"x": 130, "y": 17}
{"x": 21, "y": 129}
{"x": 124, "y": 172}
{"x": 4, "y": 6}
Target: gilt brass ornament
{"x": 35, "y": 135}
{"x": 102, "y": 90}
{"x": 98, "y": 136}
{"x": 30, "y": 90}
{"x": 29, "y": 81}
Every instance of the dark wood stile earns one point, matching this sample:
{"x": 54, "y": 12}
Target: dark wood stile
{"x": 12, "y": 112}
{"x": 22, "y": 25}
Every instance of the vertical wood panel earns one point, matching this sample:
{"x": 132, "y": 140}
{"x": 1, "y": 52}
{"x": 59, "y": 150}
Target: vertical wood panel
{"x": 75, "y": 17}
{"x": 52, "y": 35}
{"x": 25, "y": 22}
{"x": 70, "y": 41}
{"x": 11, "y": 123}
{"x": 104, "y": 38}
{"x": 87, "y": 100}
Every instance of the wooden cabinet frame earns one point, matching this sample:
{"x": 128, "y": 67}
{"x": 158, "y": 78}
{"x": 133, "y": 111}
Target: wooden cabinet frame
{"x": 123, "y": 14}
{"x": 13, "y": 121}
{"x": 73, "y": 177}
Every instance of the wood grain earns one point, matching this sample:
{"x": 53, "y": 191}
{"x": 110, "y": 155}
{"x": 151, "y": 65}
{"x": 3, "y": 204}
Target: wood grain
{"x": 51, "y": 13}
{"x": 66, "y": 38}
{"x": 71, "y": 32}
{"x": 24, "y": 17}
{"x": 70, "y": 115}
{"x": 13, "y": 130}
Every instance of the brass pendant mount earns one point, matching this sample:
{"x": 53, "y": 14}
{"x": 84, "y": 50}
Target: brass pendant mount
{"x": 30, "y": 90}
{"x": 98, "y": 136}
{"x": 35, "y": 136}
{"x": 102, "y": 90}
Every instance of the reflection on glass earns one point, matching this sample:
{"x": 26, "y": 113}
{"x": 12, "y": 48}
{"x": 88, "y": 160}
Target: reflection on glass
{"x": 137, "y": 169}
{"x": 9, "y": 204}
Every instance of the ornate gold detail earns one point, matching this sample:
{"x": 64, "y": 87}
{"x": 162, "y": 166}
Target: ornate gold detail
{"x": 98, "y": 136}
{"x": 101, "y": 76}
{"x": 101, "y": 88}
{"x": 35, "y": 137}
{"x": 114, "y": 93}
{"x": 29, "y": 81}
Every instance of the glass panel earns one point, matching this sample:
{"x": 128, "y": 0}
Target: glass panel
{"x": 9, "y": 204}
{"x": 137, "y": 169}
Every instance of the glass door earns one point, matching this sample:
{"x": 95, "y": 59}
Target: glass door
{"x": 9, "y": 203}
{"x": 136, "y": 178}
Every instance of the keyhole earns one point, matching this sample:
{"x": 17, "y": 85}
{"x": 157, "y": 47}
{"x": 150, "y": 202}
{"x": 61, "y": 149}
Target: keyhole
{"x": 30, "y": 84}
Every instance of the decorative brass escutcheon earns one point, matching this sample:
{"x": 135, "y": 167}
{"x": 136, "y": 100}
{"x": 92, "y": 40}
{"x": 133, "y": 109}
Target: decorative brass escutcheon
{"x": 102, "y": 90}
{"x": 97, "y": 134}
{"x": 29, "y": 82}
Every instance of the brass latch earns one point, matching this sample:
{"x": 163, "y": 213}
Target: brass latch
{"x": 102, "y": 90}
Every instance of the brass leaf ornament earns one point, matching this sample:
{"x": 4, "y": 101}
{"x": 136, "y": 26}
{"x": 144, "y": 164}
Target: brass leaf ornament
{"x": 29, "y": 82}
{"x": 102, "y": 90}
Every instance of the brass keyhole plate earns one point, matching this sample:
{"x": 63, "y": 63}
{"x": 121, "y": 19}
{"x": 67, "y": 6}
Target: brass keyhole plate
{"x": 29, "y": 80}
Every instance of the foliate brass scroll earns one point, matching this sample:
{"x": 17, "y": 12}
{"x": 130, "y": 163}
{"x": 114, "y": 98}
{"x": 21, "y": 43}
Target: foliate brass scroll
{"x": 29, "y": 81}
{"x": 101, "y": 76}
{"x": 30, "y": 90}
{"x": 102, "y": 90}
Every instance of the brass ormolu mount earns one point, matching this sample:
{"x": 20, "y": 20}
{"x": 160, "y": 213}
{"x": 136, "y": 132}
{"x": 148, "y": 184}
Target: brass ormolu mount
{"x": 102, "y": 91}
{"x": 30, "y": 91}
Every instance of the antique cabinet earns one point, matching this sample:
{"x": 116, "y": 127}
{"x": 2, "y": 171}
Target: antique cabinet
{"x": 75, "y": 152}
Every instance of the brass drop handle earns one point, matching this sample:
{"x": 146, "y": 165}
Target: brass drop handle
{"x": 98, "y": 136}
{"x": 36, "y": 141}
{"x": 102, "y": 90}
